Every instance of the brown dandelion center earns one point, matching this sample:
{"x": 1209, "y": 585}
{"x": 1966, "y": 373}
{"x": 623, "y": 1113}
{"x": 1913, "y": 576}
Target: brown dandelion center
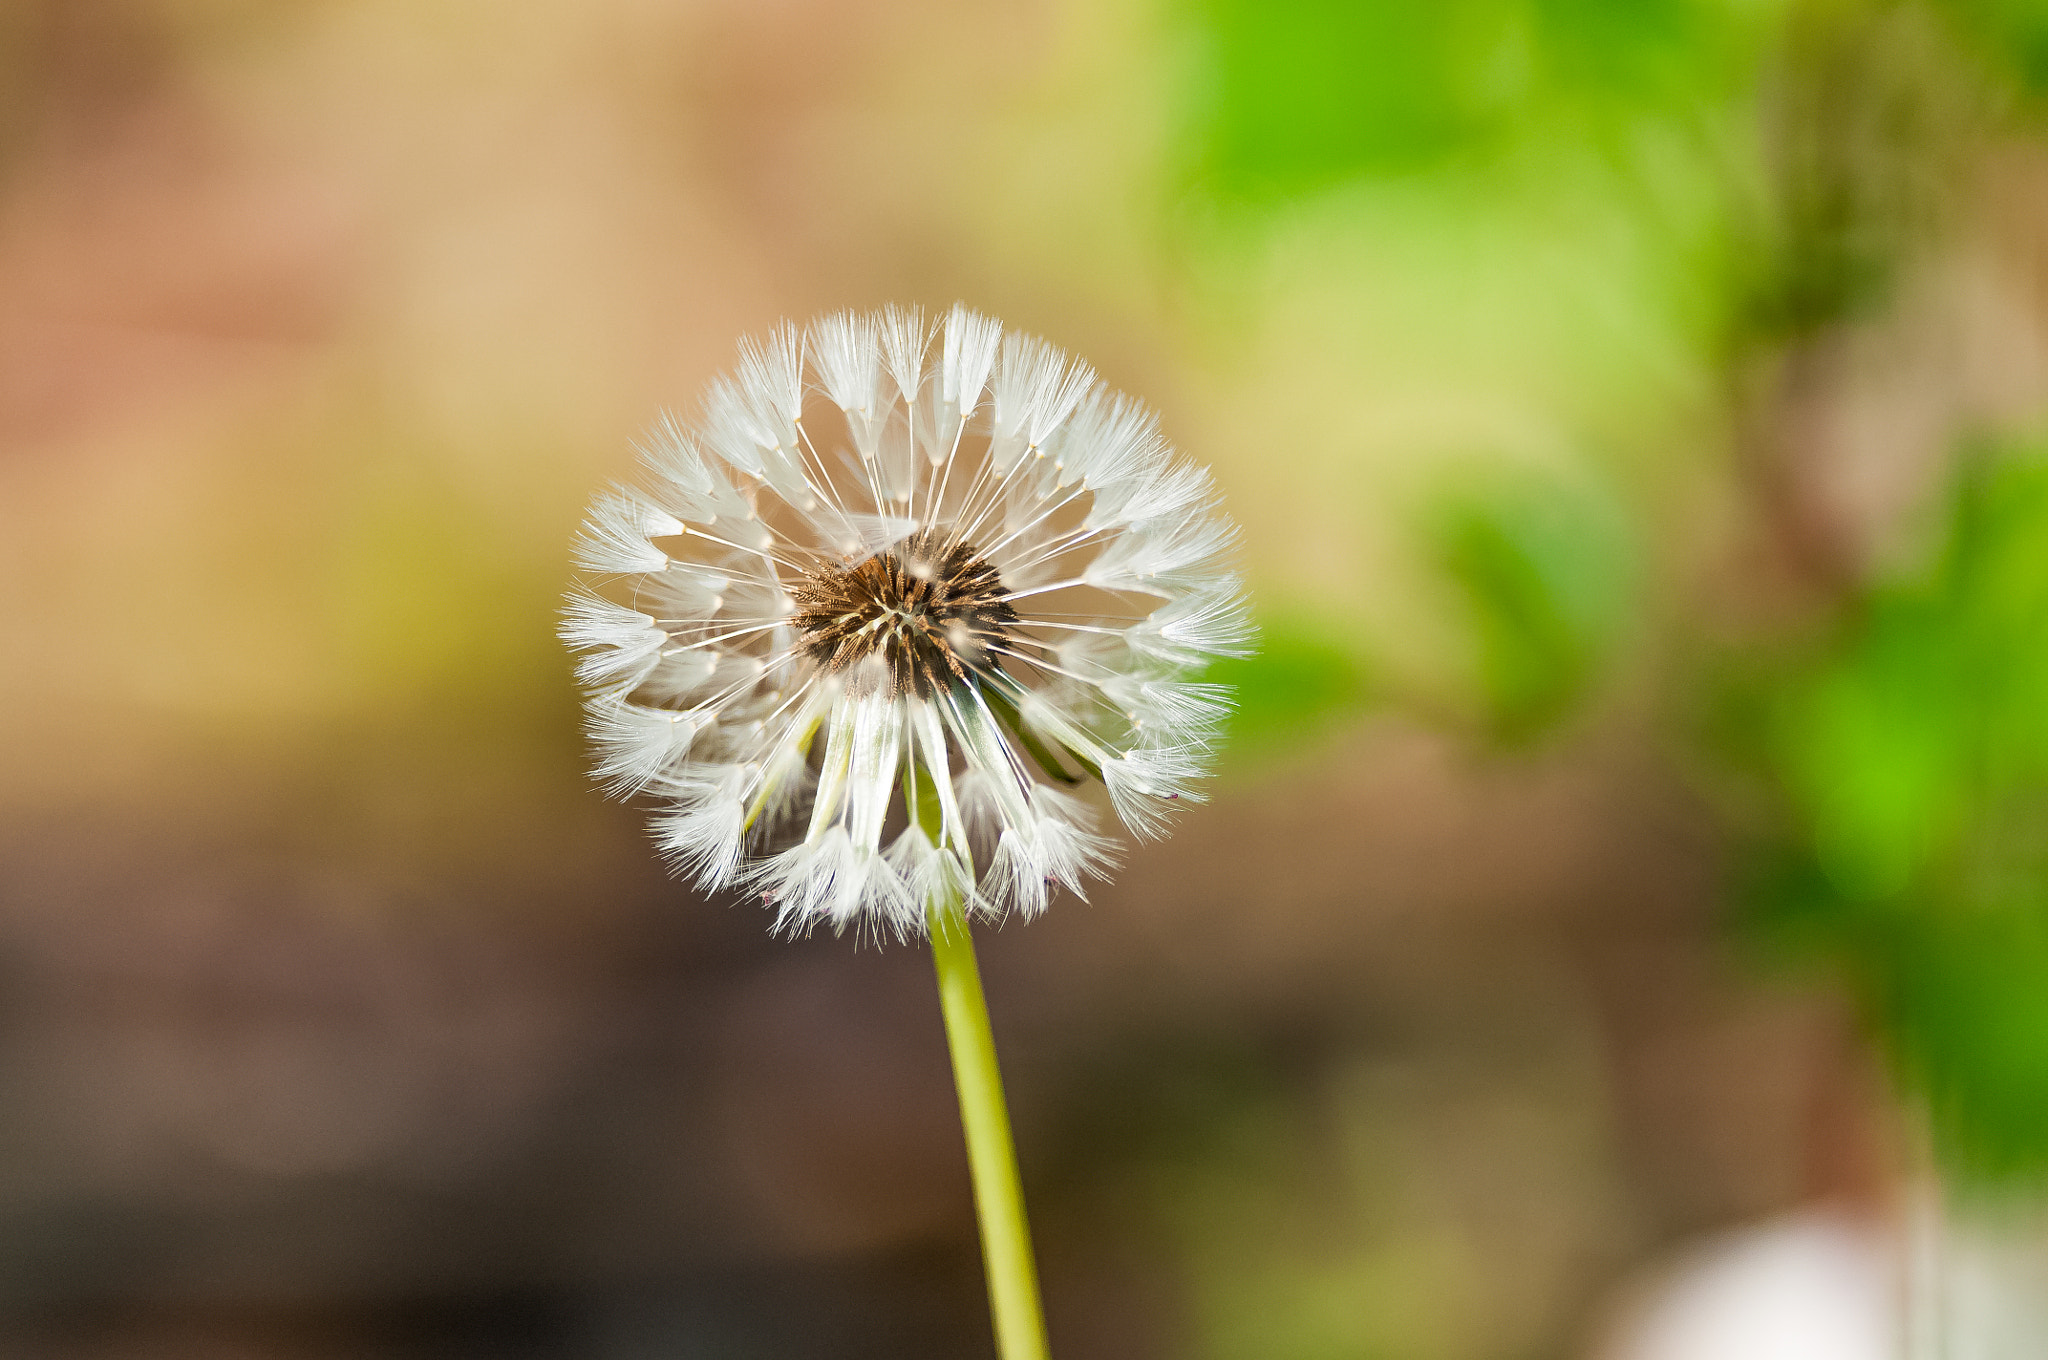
{"x": 931, "y": 610}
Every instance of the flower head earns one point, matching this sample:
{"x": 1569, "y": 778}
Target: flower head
{"x": 896, "y": 594}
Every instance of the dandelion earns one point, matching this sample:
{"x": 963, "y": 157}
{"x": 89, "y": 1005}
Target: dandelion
{"x": 945, "y": 563}
{"x": 875, "y": 618}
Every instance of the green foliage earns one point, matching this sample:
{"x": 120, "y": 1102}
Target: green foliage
{"x": 2012, "y": 33}
{"x": 1967, "y": 1001}
{"x": 1301, "y": 680}
{"x": 1815, "y": 147}
{"x": 1859, "y": 125}
{"x": 1913, "y": 759}
{"x": 1546, "y": 572}
{"x": 1302, "y": 94}
{"x": 1308, "y": 93}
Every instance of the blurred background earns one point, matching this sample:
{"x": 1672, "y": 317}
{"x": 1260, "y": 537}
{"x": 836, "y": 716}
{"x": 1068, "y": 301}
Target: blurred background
{"x": 1622, "y": 917}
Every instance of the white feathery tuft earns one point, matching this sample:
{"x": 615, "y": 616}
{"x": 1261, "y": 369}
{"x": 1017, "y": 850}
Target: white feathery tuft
{"x": 687, "y": 484}
{"x": 968, "y": 355}
{"x": 636, "y": 745}
{"x": 615, "y": 539}
{"x": 904, "y": 339}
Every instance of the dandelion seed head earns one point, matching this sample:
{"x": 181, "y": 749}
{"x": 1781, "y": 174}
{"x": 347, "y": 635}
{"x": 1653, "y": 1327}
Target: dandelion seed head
{"x": 915, "y": 582}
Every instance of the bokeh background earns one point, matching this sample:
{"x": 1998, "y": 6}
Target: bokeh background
{"x": 1633, "y": 832}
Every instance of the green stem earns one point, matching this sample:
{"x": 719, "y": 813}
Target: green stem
{"x": 991, "y": 1156}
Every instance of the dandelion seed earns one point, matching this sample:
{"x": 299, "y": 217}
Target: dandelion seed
{"x": 901, "y": 588}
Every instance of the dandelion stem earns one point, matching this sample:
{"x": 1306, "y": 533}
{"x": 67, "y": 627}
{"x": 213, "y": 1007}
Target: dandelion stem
{"x": 991, "y": 1155}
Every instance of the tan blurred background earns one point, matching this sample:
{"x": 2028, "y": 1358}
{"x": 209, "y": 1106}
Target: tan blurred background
{"x": 339, "y": 1015}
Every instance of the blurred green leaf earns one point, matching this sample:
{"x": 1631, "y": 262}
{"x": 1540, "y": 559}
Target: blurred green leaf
{"x": 1302, "y": 679}
{"x": 1307, "y": 93}
{"x": 1871, "y": 751}
{"x": 1298, "y": 95}
{"x": 1547, "y": 572}
{"x": 2012, "y": 33}
{"x": 1967, "y": 1000}
{"x": 1912, "y": 755}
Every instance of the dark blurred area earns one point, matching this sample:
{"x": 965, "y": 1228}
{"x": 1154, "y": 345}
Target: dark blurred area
{"x": 1631, "y": 837}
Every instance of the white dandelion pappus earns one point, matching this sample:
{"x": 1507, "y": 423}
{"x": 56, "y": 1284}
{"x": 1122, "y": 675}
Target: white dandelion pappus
{"x": 901, "y": 589}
